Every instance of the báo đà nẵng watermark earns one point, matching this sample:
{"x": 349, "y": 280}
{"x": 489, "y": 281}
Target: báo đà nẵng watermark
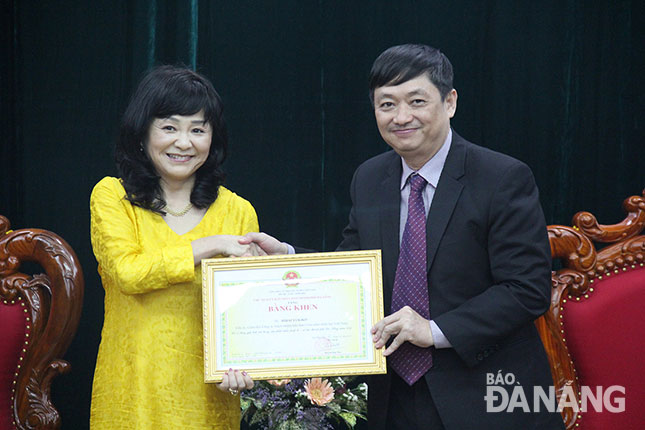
{"x": 505, "y": 394}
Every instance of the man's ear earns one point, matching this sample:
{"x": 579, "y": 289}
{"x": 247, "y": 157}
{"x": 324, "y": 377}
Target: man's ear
{"x": 451, "y": 102}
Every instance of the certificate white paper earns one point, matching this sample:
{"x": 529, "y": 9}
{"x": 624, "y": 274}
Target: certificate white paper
{"x": 292, "y": 315}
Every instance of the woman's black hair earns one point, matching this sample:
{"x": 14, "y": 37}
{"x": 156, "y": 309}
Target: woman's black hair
{"x": 163, "y": 92}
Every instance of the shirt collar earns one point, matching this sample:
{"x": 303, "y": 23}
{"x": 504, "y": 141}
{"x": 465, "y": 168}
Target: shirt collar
{"x": 431, "y": 171}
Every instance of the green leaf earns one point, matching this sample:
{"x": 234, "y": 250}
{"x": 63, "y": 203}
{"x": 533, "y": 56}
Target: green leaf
{"x": 290, "y": 425}
{"x": 244, "y": 404}
{"x": 335, "y": 407}
{"x": 258, "y": 404}
{"x": 257, "y": 418}
{"x": 349, "y": 418}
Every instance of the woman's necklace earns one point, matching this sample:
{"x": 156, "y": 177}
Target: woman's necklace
{"x": 182, "y": 212}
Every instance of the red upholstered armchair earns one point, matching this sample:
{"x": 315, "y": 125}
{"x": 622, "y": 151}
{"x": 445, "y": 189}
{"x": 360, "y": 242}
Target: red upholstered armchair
{"x": 38, "y": 318}
{"x": 594, "y": 332}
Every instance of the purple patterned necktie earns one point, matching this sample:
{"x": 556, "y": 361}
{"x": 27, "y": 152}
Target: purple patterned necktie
{"x": 411, "y": 284}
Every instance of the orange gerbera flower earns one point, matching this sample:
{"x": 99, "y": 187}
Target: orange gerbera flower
{"x": 318, "y": 391}
{"x": 279, "y": 382}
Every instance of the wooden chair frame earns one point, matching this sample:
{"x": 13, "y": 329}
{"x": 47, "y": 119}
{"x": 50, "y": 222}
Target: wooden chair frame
{"x": 582, "y": 265}
{"x": 52, "y": 302}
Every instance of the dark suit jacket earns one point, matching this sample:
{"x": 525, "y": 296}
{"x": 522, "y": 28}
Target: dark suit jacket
{"x": 489, "y": 267}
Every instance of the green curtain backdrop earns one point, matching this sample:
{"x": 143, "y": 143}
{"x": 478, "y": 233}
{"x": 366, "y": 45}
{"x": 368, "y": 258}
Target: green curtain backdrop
{"x": 557, "y": 84}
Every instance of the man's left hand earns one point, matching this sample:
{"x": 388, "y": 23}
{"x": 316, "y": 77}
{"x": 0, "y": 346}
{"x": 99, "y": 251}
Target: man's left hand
{"x": 407, "y": 326}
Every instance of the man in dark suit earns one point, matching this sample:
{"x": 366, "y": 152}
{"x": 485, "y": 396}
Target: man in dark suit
{"x": 469, "y": 220}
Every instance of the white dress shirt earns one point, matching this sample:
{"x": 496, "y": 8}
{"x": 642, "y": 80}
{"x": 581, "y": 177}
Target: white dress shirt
{"x": 431, "y": 172}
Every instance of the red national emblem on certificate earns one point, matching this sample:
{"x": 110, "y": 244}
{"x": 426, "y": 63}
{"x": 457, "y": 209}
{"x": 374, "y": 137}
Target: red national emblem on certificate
{"x": 291, "y": 278}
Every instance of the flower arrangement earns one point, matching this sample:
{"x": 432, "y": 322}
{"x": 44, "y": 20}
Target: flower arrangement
{"x": 304, "y": 404}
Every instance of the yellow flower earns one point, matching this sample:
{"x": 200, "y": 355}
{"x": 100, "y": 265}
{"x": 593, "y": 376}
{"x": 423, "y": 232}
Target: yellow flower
{"x": 279, "y": 382}
{"x": 318, "y": 391}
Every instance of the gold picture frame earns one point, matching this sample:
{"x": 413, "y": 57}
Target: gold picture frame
{"x": 292, "y": 316}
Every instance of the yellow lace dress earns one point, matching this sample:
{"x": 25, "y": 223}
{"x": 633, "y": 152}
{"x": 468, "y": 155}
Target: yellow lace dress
{"x": 149, "y": 371}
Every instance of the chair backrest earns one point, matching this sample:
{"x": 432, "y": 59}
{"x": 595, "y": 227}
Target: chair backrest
{"x": 38, "y": 318}
{"x": 594, "y": 332}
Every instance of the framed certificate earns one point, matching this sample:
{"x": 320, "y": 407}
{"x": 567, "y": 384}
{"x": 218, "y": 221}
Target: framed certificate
{"x": 292, "y": 316}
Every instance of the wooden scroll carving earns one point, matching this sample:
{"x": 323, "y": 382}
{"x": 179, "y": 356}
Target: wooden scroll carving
{"x": 53, "y": 304}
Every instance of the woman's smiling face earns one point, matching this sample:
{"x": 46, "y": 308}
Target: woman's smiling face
{"x": 178, "y": 146}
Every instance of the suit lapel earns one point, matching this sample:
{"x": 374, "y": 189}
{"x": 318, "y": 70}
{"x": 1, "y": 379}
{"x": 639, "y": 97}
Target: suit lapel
{"x": 446, "y": 196}
{"x": 444, "y": 201}
{"x": 389, "y": 220}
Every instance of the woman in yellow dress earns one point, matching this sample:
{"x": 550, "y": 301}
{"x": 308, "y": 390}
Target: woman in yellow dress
{"x": 150, "y": 230}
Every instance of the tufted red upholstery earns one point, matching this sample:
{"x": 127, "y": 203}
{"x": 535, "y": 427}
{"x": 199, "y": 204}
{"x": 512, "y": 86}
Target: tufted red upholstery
{"x": 12, "y": 333}
{"x": 605, "y": 336}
